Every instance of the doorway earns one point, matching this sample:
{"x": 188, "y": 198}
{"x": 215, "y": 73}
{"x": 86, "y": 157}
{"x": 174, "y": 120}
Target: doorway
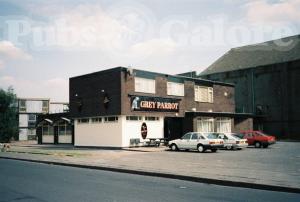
{"x": 173, "y": 128}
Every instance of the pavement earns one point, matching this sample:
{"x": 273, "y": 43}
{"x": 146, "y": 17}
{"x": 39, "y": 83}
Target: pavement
{"x": 275, "y": 168}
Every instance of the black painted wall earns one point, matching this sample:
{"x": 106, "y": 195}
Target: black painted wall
{"x": 96, "y": 94}
{"x": 271, "y": 92}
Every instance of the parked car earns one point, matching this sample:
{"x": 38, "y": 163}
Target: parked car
{"x": 258, "y": 138}
{"x": 197, "y": 141}
{"x": 232, "y": 141}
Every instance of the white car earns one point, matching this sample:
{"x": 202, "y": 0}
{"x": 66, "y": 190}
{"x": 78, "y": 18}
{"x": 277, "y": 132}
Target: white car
{"x": 231, "y": 141}
{"x": 197, "y": 141}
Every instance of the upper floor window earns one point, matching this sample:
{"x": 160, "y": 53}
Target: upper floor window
{"x": 22, "y": 106}
{"x": 45, "y": 106}
{"x": 204, "y": 94}
{"x": 176, "y": 89}
{"x": 144, "y": 85}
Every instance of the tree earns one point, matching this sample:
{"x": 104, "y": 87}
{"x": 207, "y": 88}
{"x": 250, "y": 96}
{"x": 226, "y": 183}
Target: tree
{"x": 8, "y": 115}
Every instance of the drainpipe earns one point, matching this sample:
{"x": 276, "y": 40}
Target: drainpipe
{"x": 253, "y": 91}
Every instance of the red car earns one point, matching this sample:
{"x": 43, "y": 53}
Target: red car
{"x": 258, "y": 138}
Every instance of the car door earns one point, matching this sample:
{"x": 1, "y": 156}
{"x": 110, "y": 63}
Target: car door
{"x": 225, "y": 139}
{"x": 184, "y": 141}
{"x": 249, "y": 136}
{"x": 192, "y": 144}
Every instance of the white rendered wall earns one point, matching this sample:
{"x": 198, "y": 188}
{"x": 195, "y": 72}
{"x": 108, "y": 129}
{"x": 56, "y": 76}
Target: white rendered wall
{"x": 34, "y": 106}
{"x": 56, "y": 108}
{"x": 98, "y": 134}
{"x": 22, "y": 134}
{"x": 48, "y": 139}
{"x": 23, "y": 120}
{"x": 65, "y": 139}
{"x": 132, "y": 129}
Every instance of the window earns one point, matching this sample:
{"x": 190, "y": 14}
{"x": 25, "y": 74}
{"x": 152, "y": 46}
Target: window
{"x": 133, "y": 118}
{"x": 176, "y": 89}
{"x": 47, "y": 130}
{"x": 194, "y": 136}
{"x": 212, "y": 136}
{"x": 151, "y": 118}
{"x": 31, "y": 124}
{"x": 223, "y": 125}
{"x": 205, "y": 124}
{"x": 69, "y": 130}
{"x": 31, "y": 132}
{"x": 45, "y": 106}
{"x": 204, "y": 94}
{"x": 97, "y": 120}
{"x": 83, "y": 120}
{"x": 62, "y": 130}
{"x": 22, "y": 106}
{"x": 111, "y": 119}
{"x": 186, "y": 136}
{"x": 31, "y": 120}
{"x": 31, "y": 117}
{"x": 144, "y": 85}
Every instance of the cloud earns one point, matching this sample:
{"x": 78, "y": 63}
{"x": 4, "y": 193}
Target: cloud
{"x": 281, "y": 12}
{"x": 10, "y": 51}
{"x": 122, "y": 31}
{"x": 1, "y": 64}
{"x": 55, "y": 88}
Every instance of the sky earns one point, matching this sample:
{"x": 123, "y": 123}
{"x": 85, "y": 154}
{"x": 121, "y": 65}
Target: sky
{"x": 44, "y": 43}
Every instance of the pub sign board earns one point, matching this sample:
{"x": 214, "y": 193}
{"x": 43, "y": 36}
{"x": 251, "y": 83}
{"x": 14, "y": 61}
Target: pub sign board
{"x": 157, "y": 104}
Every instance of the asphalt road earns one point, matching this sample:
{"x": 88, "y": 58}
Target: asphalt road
{"x": 25, "y": 181}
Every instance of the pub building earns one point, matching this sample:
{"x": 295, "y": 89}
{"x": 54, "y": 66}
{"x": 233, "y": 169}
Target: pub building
{"x": 121, "y": 107}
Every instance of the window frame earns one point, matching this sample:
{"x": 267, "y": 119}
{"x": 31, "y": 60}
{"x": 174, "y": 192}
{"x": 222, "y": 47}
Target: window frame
{"x": 96, "y": 120}
{"x": 107, "y": 119}
{"x": 139, "y": 86}
{"x": 223, "y": 120}
{"x": 80, "y": 121}
{"x": 174, "y": 91}
{"x": 151, "y": 118}
{"x": 209, "y": 91}
{"x": 132, "y": 118}
{"x": 45, "y": 108}
{"x": 22, "y": 108}
{"x": 206, "y": 120}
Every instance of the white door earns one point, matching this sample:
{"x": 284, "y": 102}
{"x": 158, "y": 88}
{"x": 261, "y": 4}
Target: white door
{"x": 192, "y": 144}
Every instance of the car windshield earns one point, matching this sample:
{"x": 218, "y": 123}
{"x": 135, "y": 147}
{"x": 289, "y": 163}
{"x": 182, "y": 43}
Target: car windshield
{"x": 235, "y": 135}
{"x": 238, "y": 135}
{"x": 212, "y": 135}
{"x": 260, "y": 133}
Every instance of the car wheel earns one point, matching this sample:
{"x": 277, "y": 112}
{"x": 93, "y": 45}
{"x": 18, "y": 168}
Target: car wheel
{"x": 257, "y": 144}
{"x": 200, "y": 148}
{"x": 174, "y": 147}
{"x": 214, "y": 150}
{"x": 228, "y": 147}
